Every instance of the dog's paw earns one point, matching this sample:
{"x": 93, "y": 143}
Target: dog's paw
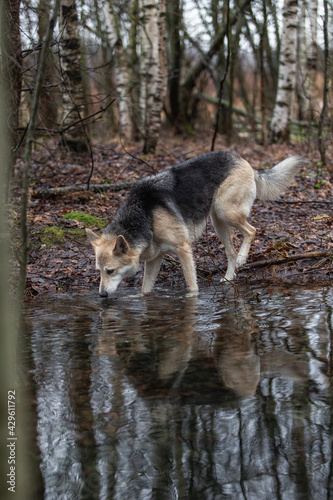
{"x": 240, "y": 261}
{"x": 227, "y": 278}
{"x": 192, "y": 293}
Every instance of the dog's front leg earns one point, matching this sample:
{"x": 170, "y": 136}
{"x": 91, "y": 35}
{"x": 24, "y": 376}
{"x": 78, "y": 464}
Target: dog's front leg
{"x": 150, "y": 273}
{"x": 184, "y": 253}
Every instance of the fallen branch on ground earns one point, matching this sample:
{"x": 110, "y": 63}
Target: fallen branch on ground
{"x": 97, "y": 188}
{"x": 290, "y": 258}
{"x": 307, "y": 202}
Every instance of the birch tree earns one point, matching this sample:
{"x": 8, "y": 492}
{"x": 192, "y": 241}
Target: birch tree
{"x": 153, "y": 70}
{"x": 280, "y": 125}
{"x": 122, "y": 69}
{"x": 302, "y": 62}
{"x": 75, "y": 138}
{"x": 312, "y": 56}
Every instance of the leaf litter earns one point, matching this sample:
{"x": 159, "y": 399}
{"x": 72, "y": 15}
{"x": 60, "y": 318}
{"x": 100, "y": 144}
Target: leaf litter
{"x": 61, "y": 259}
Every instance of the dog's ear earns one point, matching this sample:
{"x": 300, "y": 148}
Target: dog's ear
{"x": 92, "y": 237}
{"x": 121, "y": 246}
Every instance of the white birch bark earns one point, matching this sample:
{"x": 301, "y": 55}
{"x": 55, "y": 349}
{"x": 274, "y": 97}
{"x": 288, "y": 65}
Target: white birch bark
{"x": 302, "y": 62}
{"x": 122, "y": 70}
{"x": 73, "y": 93}
{"x": 312, "y": 56}
{"x": 330, "y": 29}
{"x": 153, "y": 70}
{"x": 287, "y": 74}
{"x": 312, "y": 49}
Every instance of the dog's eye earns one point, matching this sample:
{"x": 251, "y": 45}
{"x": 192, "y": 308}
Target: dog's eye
{"x": 109, "y": 271}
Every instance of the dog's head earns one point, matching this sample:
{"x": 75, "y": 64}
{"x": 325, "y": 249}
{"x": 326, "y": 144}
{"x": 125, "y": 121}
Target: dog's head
{"x": 115, "y": 259}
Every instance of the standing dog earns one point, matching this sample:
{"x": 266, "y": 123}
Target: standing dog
{"x": 167, "y": 212}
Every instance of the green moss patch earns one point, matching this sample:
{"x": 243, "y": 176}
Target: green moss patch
{"x": 76, "y": 233}
{"x": 53, "y": 236}
{"x": 88, "y": 220}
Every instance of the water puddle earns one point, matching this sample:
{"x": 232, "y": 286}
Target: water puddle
{"x": 222, "y": 396}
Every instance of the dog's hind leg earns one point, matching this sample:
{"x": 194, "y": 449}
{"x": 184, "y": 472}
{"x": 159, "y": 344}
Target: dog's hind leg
{"x": 231, "y": 207}
{"x": 150, "y": 273}
{"x": 184, "y": 253}
{"x": 225, "y": 234}
{"x": 248, "y": 232}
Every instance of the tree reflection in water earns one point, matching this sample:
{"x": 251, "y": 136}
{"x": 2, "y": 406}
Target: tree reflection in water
{"x": 162, "y": 397}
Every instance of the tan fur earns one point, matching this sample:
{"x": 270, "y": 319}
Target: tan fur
{"x": 231, "y": 207}
{"x": 167, "y": 229}
{"x": 170, "y": 234}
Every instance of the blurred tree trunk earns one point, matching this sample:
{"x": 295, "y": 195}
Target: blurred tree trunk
{"x": 11, "y": 69}
{"x": 122, "y": 69}
{"x": 11, "y": 58}
{"x": 307, "y": 58}
{"x": 134, "y": 70}
{"x": 105, "y": 80}
{"x": 175, "y": 60}
{"x": 234, "y": 61}
{"x": 323, "y": 114}
{"x": 312, "y": 54}
{"x": 75, "y": 138}
{"x": 47, "y": 111}
{"x": 302, "y": 63}
{"x": 263, "y": 105}
{"x": 153, "y": 70}
{"x": 280, "y": 125}
{"x": 8, "y": 327}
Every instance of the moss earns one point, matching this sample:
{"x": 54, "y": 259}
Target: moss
{"x": 88, "y": 220}
{"x": 76, "y": 233}
{"x": 53, "y": 236}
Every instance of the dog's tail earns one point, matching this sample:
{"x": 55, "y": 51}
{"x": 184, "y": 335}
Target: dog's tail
{"x": 272, "y": 183}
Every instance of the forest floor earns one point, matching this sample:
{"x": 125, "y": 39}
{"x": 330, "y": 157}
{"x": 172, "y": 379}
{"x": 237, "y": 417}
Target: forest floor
{"x": 293, "y": 245}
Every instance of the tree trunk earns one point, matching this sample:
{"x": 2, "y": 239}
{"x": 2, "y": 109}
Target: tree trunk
{"x": 280, "y": 125}
{"x": 122, "y": 70}
{"x": 47, "y": 110}
{"x": 175, "y": 58}
{"x": 134, "y": 70}
{"x": 321, "y": 139}
{"x": 153, "y": 70}
{"x": 73, "y": 94}
{"x": 11, "y": 70}
{"x": 312, "y": 57}
{"x": 302, "y": 63}
{"x": 11, "y": 58}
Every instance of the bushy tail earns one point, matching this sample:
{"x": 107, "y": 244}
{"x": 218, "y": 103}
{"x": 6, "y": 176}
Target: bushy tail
{"x": 272, "y": 183}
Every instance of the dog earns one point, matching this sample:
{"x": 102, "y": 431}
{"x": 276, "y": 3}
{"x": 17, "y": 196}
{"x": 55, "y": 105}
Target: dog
{"x": 168, "y": 211}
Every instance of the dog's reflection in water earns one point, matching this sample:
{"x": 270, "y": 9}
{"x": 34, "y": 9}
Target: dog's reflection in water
{"x": 165, "y": 354}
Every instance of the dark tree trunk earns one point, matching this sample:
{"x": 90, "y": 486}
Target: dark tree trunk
{"x": 175, "y": 58}
{"x": 73, "y": 94}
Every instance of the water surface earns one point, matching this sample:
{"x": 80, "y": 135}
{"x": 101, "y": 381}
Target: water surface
{"x": 224, "y": 396}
